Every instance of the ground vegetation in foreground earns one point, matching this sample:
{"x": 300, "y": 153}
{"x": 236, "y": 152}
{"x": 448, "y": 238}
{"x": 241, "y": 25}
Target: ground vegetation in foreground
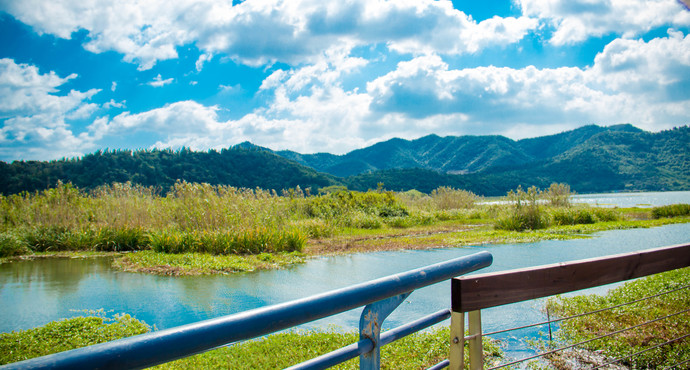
{"x": 673, "y": 355}
{"x": 277, "y": 351}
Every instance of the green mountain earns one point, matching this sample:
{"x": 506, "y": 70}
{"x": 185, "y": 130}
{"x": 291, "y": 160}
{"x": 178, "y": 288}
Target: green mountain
{"x": 451, "y": 154}
{"x": 447, "y": 154}
{"x": 589, "y": 159}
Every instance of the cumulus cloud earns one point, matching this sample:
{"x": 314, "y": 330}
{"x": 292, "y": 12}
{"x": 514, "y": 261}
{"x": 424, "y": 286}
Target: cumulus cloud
{"x": 261, "y": 32}
{"x": 33, "y": 113}
{"x": 631, "y": 81}
{"x": 577, "y": 20}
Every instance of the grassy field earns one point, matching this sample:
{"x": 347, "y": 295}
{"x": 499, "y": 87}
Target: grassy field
{"x": 203, "y": 229}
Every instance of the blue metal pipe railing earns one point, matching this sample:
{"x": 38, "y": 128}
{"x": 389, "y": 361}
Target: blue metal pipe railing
{"x": 182, "y": 341}
{"x": 366, "y": 345}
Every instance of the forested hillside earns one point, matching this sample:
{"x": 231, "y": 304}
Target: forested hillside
{"x": 453, "y": 154}
{"x": 589, "y": 159}
{"x": 161, "y": 168}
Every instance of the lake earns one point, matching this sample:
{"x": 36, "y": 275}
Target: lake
{"x": 39, "y": 291}
{"x": 651, "y": 199}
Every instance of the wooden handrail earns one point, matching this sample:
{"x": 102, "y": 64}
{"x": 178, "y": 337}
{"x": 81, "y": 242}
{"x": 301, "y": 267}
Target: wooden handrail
{"x": 475, "y": 292}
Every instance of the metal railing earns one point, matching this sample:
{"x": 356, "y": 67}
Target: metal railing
{"x": 471, "y": 294}
{"x": 380, "y": 297}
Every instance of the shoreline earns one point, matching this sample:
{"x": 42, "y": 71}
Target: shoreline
{"x": 356, "y": 241}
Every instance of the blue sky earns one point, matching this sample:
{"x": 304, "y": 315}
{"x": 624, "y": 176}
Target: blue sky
{"x": 330, "y": 76}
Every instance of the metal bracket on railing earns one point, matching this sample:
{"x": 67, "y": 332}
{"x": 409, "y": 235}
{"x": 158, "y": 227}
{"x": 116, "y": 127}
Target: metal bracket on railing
{"x": 370, "y": 323}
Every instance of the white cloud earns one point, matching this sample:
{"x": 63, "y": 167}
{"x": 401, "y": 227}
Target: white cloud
{"x": 645, "y": 83}
{"x": 34, "y": 113}
{"x": 158, "y": 81}
{"x": 143, "y": 31}
{"x": 203, "y": 58}
{"x": 178, "y": 118}
{"x": 260, "y": 32}
{"x": 631, "y": 81}
{"x": 577, "y": 20}
{"x": 113, "y": 104}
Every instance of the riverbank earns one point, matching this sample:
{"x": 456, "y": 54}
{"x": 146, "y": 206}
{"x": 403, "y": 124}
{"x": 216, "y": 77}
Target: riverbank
{"x": 440, "y": 235}
{"x": 353, "y": 241}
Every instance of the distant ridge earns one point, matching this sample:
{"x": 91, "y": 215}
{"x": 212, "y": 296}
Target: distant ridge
{"x": 591, "y": 159}
{"x": 451, "y": 154}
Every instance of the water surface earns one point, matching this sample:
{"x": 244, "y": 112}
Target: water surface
{"x": 33, "y": 293}
{"x": 36, "y": 292}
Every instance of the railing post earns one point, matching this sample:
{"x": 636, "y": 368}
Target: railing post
{"x": 474, "y": 319}
{"x": 370, "y": 323}
{"x": 457, "y": 341}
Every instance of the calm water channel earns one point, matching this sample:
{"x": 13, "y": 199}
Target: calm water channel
{"x": 36, "y": 292}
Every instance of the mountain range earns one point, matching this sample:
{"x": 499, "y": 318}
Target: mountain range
{"x": 590, "y": 159}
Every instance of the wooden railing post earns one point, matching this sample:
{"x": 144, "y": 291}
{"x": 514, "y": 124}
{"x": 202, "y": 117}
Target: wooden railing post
{"x": 457, "y": 341}
{"x": 474, "y": 319}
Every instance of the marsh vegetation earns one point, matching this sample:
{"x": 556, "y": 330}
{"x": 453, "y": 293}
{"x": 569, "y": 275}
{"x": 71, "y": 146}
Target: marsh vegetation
{"x": 201, "y": 228}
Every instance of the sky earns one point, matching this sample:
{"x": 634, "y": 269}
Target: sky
{"x": 330, "y": 76}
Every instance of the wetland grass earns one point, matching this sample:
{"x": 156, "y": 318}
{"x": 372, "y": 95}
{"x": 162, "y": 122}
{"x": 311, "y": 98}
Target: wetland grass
{"x": 200, "y": 228}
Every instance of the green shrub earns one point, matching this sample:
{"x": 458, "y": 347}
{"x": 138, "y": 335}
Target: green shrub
{"x": 63, "y": 335}
{"x": 342, "y": 204}
{"x": 42, "y": 239}
{"x": 253, "y": 241}
{"x": 673, "y": 210}
{"x": 121, "y": 239}
{"x": 362, "y": 220}
{"x": 290, "y": 241}
{"x": 526, "y": 213}
{"x": 563, "y": 216}
{"x": 445, "y": 198}
{"x": 11, "y": 245}
{"x": 606, "y": 214}
{"x": 579, "y": 216}
{"x": 315, "y": 227}
{"x": 584, "y": 216}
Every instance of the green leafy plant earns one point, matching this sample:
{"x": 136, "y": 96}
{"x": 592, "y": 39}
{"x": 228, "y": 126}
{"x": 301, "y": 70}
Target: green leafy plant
{"x": 673, "y": 210}
{"x": 526, "y": 213}
{"x": 63, "y": 335}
